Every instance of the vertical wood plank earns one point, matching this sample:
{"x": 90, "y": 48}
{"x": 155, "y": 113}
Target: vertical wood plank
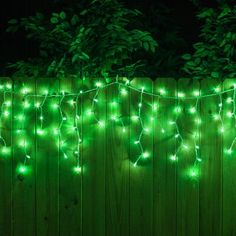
{"x": 117, "y": 162}
{"x": 6, "y": 159}
{"x": 229, "y": 161}
{"x": 164, "y": 170}
{"x": 70, "y": 180}
{"x": 24, "y": 146}
{"x": 94, "y": 156}
{"x": 141, "y": 173}
{"x": 188, "y": 161}
{"x": 210, "y": 195}
{"x": 47, "y": 171}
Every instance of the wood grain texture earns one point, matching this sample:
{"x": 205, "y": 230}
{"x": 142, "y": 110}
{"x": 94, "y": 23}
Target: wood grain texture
{"x": 117, "y": 163}
{"x": 6, "y": 162}
{"x": 229, "y": 163}
{"x": 210, "y": 195}
{"x": 94, "y": 156}
{"x": 47, "y": 169}
{"x": 187, "y": 185}
{"x": 23, "y": 189}
{"x": 164, "y": 171}
{"x": 141, "y": 175}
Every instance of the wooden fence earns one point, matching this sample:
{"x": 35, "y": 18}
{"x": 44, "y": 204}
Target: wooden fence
{"x": 82, "y": 158}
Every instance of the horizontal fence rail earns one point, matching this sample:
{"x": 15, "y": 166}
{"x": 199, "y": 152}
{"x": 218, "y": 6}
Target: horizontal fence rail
{"x": 139, "y": 157}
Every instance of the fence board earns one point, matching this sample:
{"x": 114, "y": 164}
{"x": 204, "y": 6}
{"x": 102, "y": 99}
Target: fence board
{"x": 94, "y": 156}
{"x": 187, "y": 185}
{"x": 164, "y": 171}
{"x": 47, "y": 172}
{"x": 210, "y": 221}
{"x": 70, "y": 181}
{"x": 6, "y": 161}
{"x": 117, "y": 163}
{"x": 24, "y": 144}
{"x": 229, "y": 162}
{"x": 141, "y": 186}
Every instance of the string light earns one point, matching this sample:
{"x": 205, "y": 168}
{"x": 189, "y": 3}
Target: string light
{"x": 74, "y": 100}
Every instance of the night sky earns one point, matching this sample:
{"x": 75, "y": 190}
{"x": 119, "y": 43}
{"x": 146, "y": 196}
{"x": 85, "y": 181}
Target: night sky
{"x": 15, "y": 47}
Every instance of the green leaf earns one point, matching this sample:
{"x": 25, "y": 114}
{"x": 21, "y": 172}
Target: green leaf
{"x": 12, "y": 21}
{"x": 54, "y": 20}
{"x": 146, "y": 46}
{"x": 63, "y": 15}
{"x": 186, "y": 56}
{"x": 215, "y": 74}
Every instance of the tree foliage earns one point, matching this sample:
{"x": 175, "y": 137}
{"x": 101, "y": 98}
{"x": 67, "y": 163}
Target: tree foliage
{"x": 99, "y": 39}
{"x": 215, "y": 54}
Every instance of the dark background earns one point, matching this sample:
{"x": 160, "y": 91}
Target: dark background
{"x": 14, "y": 47}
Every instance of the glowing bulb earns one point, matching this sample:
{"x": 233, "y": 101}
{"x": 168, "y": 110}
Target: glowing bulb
{"x": 5, "y": 150}
{"x": 7, "y": 103}
{"x": 114, "y": 118}
{"x": 192, "y": 110}
{"x": 154, "y": 107}
{"x": 41, "y": 117}
{"x": 8, "y": 86}
{"x": 55, "y": 131}
{"x": 89, "y": 112}
{"x": 181, "y": 95}
{"x": 217, "y": 89}
{"x": 123, "y": 91}
{"x": 196, "y": 93}
{"x": 6, "y": 113}
{"x": 178, "y": 109}
{"x": 26, "y": 104}
{"x": 72, "y": 102}
{"x": 147, "y": 130}
{"x": 28, "y": 156}
{"x": 20, "y": 117}
{"x": 123, "y": 130}
{"x": 65, "y": 156}
{"x": 173, "y": 158}
{"x": 140, "y": 105}
{"x": 55, "y": 106}
{"x": 198, "y": 121}
{"x": 101, "y": 123}
{"x": 22, "y": 169}
{"x": 145, "y": 155}
{"x": 25, "y": 90}
{"x": 37, "y": 105}
{"x": 216, "y": 117}
{"x": 186, "y": 147}
{"x": 64, "y": 118}
{"x": 98, "y": 84}
{"x": 222, "y": 130}
{"x": 95, "y": 100}
{"x": 163, "y": 131}
{"x": 40, "y": 132}
{"x": 230, "y": 114}
{"x": 199, "y": 159}
{"x": 77, "y": 169}
{"x": 229, "y": 151}
{"x": 135, "y": 118}
{"x": 136, "y": 142}
{"x": 229, "y": 100}
{"x": 162, "y": 91}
